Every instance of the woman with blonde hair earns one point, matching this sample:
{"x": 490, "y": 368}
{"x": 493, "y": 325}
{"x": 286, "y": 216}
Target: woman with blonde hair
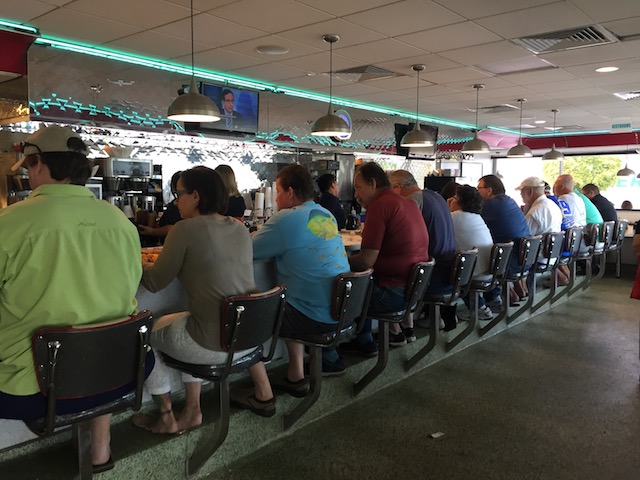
{"x": 236, "y": 202}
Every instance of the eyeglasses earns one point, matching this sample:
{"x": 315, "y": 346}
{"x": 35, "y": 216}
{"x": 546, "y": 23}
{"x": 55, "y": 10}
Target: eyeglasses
{"x": 179, "y": 193}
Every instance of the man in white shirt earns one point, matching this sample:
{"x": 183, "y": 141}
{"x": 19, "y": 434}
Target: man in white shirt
{"x": 542, "y": 214}
{"x": 563, "y": 189}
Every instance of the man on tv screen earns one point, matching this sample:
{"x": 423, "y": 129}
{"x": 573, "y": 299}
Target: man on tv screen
{"x": 232, "y": 118}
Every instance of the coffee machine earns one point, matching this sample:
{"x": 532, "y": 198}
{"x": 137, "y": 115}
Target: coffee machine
{"x": 125, "y": 183}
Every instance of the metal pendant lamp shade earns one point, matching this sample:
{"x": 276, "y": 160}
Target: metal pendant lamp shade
{"x": 520, "y": 150}
{"x": 476, "y": 145}
{"x": 193, "y": 106}
{"x": 417, "y": 137}
{"x": 625, "y": 172}
{"x": 553, "y": 154}
{"x": 330, "y": 125}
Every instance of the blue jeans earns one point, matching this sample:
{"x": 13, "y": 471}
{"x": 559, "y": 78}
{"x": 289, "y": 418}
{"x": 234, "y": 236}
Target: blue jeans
{"x": 383, "y": 300}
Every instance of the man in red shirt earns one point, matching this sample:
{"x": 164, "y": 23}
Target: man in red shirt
{"x": 394, "y": 239}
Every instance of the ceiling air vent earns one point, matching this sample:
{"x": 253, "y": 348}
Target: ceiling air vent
{"x": 364, "y": 73}
{"x": 589, "y": 36}
{"x": 504, "y": 107}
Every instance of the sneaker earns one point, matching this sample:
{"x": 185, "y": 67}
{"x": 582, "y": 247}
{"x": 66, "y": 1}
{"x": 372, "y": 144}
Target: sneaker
{"x": 297, "y": 389}
{"x": 409, "y": 334}
{"x": 397, "y": 339}
{"x": 484, "y": 313}
{"x": 369, "y": 349}
{"x": 495, "y": 305}
{"x": 330, "y": 369}
{"x": 245, "y": 398}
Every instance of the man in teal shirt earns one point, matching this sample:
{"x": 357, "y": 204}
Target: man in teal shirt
{"x": 66, "y": 258}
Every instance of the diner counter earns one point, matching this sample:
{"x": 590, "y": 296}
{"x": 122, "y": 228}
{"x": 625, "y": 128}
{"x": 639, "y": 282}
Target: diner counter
{"x": 351, "y": 239}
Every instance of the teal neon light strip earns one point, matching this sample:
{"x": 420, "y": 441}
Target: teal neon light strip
{"x": 242, "y": 82}
{"x": 229, "y": 79}
{"x": 18, "y": 26}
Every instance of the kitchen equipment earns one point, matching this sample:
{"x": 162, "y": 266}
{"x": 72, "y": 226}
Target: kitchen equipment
{"x": 116, "y": 200}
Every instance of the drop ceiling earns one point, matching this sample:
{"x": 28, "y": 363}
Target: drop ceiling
{"x": 462, "y": 42}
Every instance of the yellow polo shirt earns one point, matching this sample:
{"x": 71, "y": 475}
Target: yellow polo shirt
{"x": 66, "y": 258}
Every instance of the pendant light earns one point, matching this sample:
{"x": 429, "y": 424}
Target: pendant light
{"x": 330, "y": 125}
{"x": 193, "y": 106}
{"x": 626, "y": 171}
{"x": 417, "y": 137}
{"x": 553, "y": 154}
{"x": 476, "y": 145}
{"x": 520, "y": 150}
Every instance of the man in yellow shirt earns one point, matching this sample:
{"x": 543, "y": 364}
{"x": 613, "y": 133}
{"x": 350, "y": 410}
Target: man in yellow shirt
{"x": 66, "y": 258}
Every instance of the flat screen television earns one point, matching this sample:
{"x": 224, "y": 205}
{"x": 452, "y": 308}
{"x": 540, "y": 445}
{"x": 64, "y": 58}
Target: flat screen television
{"x": 238, "y": 108}
{"x": 427, "y": 152}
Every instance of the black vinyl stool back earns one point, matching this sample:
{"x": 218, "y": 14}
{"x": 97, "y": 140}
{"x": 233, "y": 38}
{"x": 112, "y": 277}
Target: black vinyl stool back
{"x": 528, "y": 251}
{"x": 84, "y": 361}
{"x": 551, "y": 250}
{"x": 81, "y": 361}
{"x": 248, "y": 321}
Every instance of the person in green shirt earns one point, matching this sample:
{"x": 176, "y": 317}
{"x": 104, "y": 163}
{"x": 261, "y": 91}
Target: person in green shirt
{"x": 66, "y": 258}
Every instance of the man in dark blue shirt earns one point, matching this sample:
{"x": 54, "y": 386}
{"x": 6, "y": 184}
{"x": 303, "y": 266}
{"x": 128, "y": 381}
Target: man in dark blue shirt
{"x": 506, "y": 223}
{"x": 437, "y": 217}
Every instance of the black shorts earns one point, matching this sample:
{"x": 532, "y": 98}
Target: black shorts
{"x": 295, "y": 323}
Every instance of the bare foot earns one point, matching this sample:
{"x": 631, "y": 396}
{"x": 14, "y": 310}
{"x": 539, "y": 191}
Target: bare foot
{"x": 188, "y": 419}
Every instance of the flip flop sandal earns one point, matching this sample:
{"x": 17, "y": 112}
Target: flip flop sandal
{"x": 147, "y": 422}
{"x": 108, "y": 465}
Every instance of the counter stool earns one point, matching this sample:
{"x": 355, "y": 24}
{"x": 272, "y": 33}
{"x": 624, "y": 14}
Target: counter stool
{"x": 246, "y": 322}
{"x": 571, "y": 249}
{"x": 414, "y": 292}
{"x": 350, "y": 300}
{"x": 498, "y": 263}
{"x": 461, "y": 273}
{"x": 88, "y": 360}
{"x": 600, "y": 250}
{"x": 618, "y": 239}
{"x": 551, "y": 251}
{"x": 528, "y": 251}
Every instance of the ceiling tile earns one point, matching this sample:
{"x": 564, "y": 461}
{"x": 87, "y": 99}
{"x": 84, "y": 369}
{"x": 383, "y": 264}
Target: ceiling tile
{"x": 221, "y": 60}
{"x": 270, "y": 72}
{"x": 319, "y": 62}
{"x": 530, "y": 78}
{"x": 210, "y": 30}
{"x": 600, "y": 12}
{"x": 154, "y": 44}
{"x": 558, "y": 86}
{"x": 340, "y": 7}
{"x": 279, "y": 15}
{"x": 350, "y": 34}
{"x": 133, "y": 13}
{"x": 404, "y": 17}
{"x": 473, "y": 9}
{"x": 546, "y": 18}
{"x": 316, "y": 82}
{"x": 24, "y": 10}
{"x": 432, "y": 61}
{"x": 487, "y": 53}
{"x": 458, "y": 35}
{"x": 626, "y": 26}
{"x": 399, "y": 83}
{"x": 355, "y": 88}
{"x": 79, "y": 26}
{"x": 380, "y": 51}
{"x": 457, "y": 74}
